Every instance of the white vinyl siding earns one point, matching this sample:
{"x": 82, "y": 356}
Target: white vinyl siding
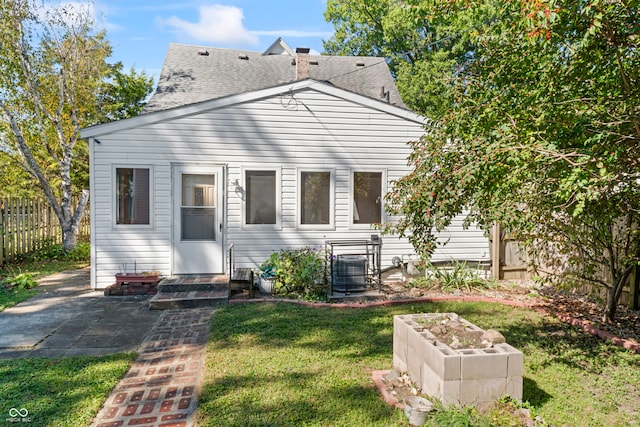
{"x": 315, "y": 131}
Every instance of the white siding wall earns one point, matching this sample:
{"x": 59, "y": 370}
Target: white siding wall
{"x": 312, "y": 130}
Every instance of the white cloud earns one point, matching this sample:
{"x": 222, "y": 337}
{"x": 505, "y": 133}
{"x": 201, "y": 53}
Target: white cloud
{"x": 216, "y": 24}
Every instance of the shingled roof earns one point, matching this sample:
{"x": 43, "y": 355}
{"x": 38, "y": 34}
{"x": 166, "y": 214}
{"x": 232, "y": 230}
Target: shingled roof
{"x": 192, "y": 74}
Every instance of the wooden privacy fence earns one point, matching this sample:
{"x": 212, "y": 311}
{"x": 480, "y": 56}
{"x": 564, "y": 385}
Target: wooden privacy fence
{"x": 27, "y": 225}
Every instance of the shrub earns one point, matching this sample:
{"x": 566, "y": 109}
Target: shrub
{"x": 298, "y": 272}
{"x": 51, "y": 251}
{"x": 20, "y": 281}
{"x": 458, "y": 277}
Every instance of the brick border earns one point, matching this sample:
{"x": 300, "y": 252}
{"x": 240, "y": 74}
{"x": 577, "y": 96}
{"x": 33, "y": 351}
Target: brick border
{"x": 584, "y": 325}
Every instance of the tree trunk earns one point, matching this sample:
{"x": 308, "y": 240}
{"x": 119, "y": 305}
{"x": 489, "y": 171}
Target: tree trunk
{"x": 615, "y": 292}
{"x": 611, "y": 306}
{"x": 70, "y": 226}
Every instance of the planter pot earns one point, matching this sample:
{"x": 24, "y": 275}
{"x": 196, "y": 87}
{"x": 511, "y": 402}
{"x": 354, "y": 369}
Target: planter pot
{"x": 416, "y": 409}
{"x": 266, "y": 284}
{"x": 136, "y": 278}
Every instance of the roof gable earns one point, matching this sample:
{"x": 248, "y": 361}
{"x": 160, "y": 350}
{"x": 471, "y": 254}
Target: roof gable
{"x": 193, "y": 74}
{"x": 279, "y": 47}
{"x": 293, "y": 87}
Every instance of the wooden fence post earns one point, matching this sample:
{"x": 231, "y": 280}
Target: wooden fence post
{"x": 634, "y": 289}
{"x": 1, "y": 232}
{"x": 495, "y": 251}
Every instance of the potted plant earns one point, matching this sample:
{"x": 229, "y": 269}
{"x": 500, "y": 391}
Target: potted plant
{"x": 150, "y": 277}
{"x": 267, "y": 274}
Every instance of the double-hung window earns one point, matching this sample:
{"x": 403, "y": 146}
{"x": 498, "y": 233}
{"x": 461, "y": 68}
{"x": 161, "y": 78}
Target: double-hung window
{"x": 133, "y": 202}
{"x": 315, "y": 198}
{"x": 367, "y": 193}
{"x": 262, "y": 197}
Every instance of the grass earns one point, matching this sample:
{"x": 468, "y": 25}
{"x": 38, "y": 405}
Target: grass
{"x": 289, "y": 365}
{"x": 10, "y": 296}
{"x": 60, "y": 392}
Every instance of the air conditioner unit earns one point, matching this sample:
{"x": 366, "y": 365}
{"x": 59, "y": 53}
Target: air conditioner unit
{"x": 349, "y": 273}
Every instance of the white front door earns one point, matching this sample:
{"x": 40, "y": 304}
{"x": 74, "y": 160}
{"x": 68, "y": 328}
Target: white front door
{"x": 198, "y": 194}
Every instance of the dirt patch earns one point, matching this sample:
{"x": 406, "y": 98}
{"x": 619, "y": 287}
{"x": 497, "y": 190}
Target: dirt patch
{"x": 454, "y": 333}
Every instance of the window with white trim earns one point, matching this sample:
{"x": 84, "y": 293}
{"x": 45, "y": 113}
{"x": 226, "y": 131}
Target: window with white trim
{"x": 315, "y": 198}
{"x": 367, "y": 197}
{"x": 261, "y": 200}
{"x": 132, "y": 196}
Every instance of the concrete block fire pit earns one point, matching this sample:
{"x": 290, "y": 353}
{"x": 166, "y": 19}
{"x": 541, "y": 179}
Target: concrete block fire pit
{"x": 455, "y": 361}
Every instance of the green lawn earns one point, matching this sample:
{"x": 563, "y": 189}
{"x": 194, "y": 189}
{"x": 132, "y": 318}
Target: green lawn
{"x": 289, "y": 365}
{"x": 59, "y": 392}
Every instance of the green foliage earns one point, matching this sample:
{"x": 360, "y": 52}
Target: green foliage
{"x": 453, "y": 416}
{"x": 425, "y": 42}
{"x": 54, "y": 81}
{"x": 51, "y": 251}
{"x": 457, "y": 277}
{"x": 509, "y": 412}
{"x": 123, "y": 95}
{"x": 60, "y": 392}
{"x": 298, "y": 272}
{"x": 536, "y": 124}
{"x": 19, "y": 281}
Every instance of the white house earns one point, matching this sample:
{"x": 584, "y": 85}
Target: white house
{"x": 264, "y": 150}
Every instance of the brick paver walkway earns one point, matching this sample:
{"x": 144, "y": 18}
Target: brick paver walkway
{"x": 161, "y": 388}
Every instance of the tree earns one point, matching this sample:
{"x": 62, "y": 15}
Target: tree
{"x": 54, "y": 80}
{"x": 540, "y": 133}
{"x": 425, "y": 42}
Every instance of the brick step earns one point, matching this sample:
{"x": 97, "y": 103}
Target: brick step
{"x": 189, "y": 299}
{"x": 195, "y": 283}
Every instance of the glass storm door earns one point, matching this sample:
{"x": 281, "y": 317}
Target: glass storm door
{"x": 197, "y": 220}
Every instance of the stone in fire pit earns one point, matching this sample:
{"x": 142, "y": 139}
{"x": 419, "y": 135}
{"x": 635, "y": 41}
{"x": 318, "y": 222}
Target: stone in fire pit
{"x": 455, "y": 361}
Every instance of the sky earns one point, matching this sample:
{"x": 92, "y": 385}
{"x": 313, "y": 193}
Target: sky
{"x": 140, "y": 30}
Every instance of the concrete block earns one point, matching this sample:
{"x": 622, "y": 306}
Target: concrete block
{"x": 515, "y": 387}
{"x": 473, "y": 392}
{"x": 486, "y": 364}
{"x": 430, "y": 383}
{"x": 515, "y": 364}
{"x": 447, "y": 392}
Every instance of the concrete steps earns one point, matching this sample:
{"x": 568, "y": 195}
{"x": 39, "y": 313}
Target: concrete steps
{"x": 191, "y": 292}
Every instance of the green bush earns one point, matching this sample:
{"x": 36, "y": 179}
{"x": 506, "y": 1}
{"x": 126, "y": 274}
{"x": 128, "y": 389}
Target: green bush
{"x": 51, "y": 251}
{"x": 297, "y": 272}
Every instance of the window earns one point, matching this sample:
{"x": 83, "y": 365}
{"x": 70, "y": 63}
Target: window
{"x": 367, "y": 197}
{"x": 198, "y": 211}
{"x": 315, "y": 202}
{"x": 261, "y": 197}
{"x": 132, "y": 196}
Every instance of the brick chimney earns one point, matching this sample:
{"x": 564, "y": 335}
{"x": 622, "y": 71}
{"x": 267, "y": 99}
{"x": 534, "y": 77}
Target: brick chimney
{"x": 302, "y": 63}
